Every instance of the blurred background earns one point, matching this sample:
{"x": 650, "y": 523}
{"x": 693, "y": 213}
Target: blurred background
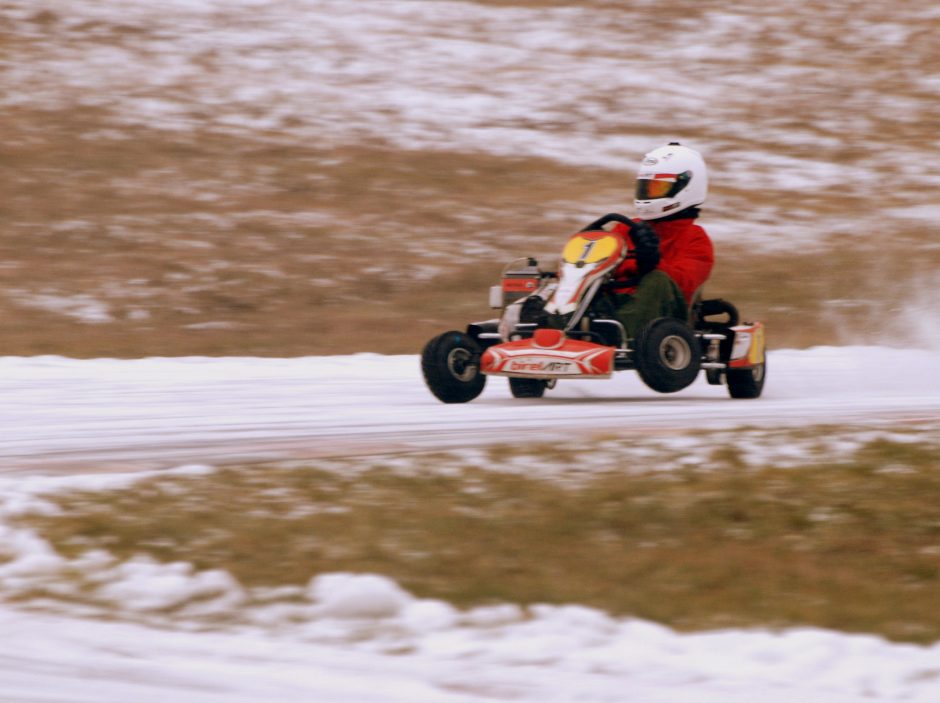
{"x": 303, "y": 178}
{"x": 293, "y": 177}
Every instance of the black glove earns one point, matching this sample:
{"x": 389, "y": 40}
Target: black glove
{"x": 645, "y": 246}
{"x": 531, "y": 309}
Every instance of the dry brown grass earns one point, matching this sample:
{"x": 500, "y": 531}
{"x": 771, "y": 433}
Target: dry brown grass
{"x": 852, "y": 545}
{"x": 202, "y": 243}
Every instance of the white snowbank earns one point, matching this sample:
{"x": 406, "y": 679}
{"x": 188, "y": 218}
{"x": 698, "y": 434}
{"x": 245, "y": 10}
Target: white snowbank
{"x": 372, "y": 642}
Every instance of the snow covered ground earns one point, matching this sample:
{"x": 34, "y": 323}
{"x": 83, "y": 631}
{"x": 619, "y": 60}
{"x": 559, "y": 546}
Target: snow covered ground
{"x": 152, "y": 413}
{"x": 805, "y": 100}
{"x": 68, "y": 424}
{"x": 413, "y": 651}
{"x": 511, "y": 80}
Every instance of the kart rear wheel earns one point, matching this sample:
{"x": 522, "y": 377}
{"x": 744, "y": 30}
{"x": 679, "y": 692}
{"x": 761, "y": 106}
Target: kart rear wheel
{"x": 451, "y": 366}
{"x": 747, "y": 383}
{"x": 667, "y": 355}
{"x": 527, "y": 387}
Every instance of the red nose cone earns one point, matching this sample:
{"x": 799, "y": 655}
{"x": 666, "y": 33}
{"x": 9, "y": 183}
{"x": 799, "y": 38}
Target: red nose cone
{"x": 547, "y": 338}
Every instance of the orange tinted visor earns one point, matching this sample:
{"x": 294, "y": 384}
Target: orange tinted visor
{"x": 653, "y": 188}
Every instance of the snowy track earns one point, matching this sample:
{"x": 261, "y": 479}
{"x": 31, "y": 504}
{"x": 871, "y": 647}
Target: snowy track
{"x": 64, "y": 415}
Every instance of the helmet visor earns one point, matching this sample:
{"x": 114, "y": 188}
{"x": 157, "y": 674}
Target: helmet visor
{"x": 653, "y": 188}
{"x": 661, "y": 185}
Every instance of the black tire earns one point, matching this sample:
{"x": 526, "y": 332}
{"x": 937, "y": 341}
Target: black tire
{"x": 747, "y": 383}
{"x": 451, "y": 366}
{"x": 527, "y": 387}
{"x": 667, "y": 355}
{"x": 715, "y": 377}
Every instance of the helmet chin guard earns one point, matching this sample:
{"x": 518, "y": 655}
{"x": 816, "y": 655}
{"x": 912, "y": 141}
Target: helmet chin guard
{"x": 670, "y": 179}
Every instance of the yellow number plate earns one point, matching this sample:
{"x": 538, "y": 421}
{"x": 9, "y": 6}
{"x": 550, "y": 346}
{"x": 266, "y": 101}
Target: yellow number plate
{"x": 589, "y": 249}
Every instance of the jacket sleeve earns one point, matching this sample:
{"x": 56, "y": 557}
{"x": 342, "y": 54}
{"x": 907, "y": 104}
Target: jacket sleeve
{"x": 690, "y": 261}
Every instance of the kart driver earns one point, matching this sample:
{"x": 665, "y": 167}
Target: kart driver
{"x": 674, "y": 255}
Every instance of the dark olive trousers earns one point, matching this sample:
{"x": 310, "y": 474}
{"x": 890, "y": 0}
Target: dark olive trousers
{"x": 657, "y": 295}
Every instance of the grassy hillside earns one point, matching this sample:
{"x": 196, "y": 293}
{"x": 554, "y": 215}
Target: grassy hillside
{"x": 151, "y": 205}
{"x": 757, "y": 528}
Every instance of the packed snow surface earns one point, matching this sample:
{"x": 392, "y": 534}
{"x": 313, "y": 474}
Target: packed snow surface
{"x": 98, "y": 424}
{"x": 152, "y": 413}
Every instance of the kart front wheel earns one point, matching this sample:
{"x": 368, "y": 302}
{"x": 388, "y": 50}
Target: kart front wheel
{"x": 451, "y": 366}
{"x": 667, "y": 355}
{"x": 527, "y": 387}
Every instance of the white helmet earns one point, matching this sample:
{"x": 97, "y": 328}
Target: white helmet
{"x": 671, "y": 179}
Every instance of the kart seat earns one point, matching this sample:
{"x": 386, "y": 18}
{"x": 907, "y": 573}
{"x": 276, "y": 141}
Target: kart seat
{"x": 701, "y": 309}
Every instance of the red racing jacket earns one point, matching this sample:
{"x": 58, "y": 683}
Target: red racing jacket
{"x": 687, "y": 256}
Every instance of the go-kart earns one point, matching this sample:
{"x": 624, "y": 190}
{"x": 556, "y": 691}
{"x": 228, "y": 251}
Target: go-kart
{"x": 553, "y": 326}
